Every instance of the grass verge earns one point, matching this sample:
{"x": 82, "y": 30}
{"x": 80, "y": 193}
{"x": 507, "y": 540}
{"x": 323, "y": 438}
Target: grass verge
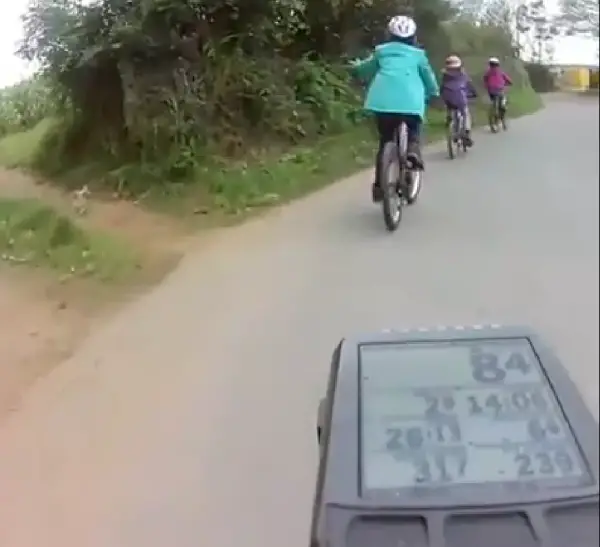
{"x": 20, "y": 149}
{"x": 235, "y": 191}
{"x": 34, "y": 234}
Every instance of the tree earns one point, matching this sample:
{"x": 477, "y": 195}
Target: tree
{"x": 162, "y": 79}
{"x": 504, "y": 15}
{"x": 580, "y": 17}
{"x": 538, "y": 28}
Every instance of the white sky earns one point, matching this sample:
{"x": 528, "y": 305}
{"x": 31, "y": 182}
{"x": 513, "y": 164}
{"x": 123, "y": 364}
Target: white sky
{"x": 573, "y": 50}
{"x": 12, "y": 69}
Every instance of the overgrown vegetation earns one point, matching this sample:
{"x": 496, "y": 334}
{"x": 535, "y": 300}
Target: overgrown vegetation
{"x": 543, "y": 80}
{"x": 155, "y": 94}
{"x": 34, "y": 234}
{"x": 24, "y": 105}
{"x": 242, "y": 187}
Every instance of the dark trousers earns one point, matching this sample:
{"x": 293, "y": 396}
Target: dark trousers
{"x": 464, "y": 110}
{"x": 387, "y": 123}
{"x": 497, "y": 99}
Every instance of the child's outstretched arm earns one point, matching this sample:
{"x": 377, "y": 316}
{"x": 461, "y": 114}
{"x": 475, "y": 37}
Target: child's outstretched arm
{"x": 507, "y": 79}
{"x": 428, "y": 76}
{"x": 365, "y": 69}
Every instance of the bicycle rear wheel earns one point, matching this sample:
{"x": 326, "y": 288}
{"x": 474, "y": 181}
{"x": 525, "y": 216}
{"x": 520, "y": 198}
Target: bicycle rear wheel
{"x": 493, "y": 119}
{"x": 455, "y": 137}
{"x": 461, "y": 123}
{"x": 502, "y": 113}
{"x": 503, "y": 121}
{"x": 410, "y": 181}
{"x": 450, "y": 140}
{"x": 463, "y": 140}
{"x": 391, "y": 171}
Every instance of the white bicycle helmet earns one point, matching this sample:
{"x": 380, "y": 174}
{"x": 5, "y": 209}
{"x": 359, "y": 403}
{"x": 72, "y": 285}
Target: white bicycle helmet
{"x": 453, "y": 61}
{"x": 402, "y": 26}
{"x": 494, "y": 61}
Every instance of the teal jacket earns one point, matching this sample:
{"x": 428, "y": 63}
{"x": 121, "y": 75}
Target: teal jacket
{"x": 401, "y": 79}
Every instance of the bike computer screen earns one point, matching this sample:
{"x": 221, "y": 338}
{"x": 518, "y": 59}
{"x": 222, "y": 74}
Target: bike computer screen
{"x": 455, "y": 437}
{"x": 439, "y": 415}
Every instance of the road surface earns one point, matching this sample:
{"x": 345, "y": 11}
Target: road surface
{"x": 190, "y": 420}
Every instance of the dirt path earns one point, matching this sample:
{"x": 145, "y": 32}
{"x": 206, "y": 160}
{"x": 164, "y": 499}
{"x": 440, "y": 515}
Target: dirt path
{"x": 43, "y": 321}
{"x": 40, "y": 328}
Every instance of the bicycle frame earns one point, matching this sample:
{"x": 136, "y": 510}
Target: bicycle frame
{"x": 401, "y": 140}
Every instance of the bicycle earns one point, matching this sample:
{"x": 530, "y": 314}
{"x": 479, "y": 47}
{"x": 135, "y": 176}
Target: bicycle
{"x": 401, "y": 187}
{"x": 456, "y": 134}
{"x": 497, "y": 114}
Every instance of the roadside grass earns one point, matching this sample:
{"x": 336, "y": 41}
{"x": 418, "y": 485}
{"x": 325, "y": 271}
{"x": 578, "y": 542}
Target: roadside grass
{"x": 33, "y": 234}
{"x": 20, "y": 149}
{"x": 229, "y": 193}
{"x": 223, "y": 192}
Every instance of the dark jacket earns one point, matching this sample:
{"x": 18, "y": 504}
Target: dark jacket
{"x": 457, "y": 88}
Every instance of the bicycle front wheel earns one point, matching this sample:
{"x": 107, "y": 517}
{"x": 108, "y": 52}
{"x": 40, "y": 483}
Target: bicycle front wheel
{"x": 413, "y": 182}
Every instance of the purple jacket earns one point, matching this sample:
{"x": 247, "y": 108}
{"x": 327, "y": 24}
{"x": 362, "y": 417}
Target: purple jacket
{"x": 457, "y": 88}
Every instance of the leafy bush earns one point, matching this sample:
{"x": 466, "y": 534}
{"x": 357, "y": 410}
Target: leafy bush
{"x": 541, "y": 77}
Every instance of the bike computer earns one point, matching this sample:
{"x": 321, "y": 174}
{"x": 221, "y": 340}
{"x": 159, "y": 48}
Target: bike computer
{"x": 454, "y": 437}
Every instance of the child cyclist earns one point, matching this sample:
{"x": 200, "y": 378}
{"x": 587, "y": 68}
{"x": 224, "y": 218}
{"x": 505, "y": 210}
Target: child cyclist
{"x": 496, "y": 81}
{"x": 401, "y": 82}
{"x": 457, "y": 89}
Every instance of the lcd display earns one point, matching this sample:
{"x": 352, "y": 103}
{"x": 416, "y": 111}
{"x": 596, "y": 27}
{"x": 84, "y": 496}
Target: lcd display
{"x": 435, "y": 414}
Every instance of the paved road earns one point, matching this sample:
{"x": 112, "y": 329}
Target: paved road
{"x": 190, "y": 420}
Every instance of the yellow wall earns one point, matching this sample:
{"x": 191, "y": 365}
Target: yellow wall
{"x": 577, "y": 78}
